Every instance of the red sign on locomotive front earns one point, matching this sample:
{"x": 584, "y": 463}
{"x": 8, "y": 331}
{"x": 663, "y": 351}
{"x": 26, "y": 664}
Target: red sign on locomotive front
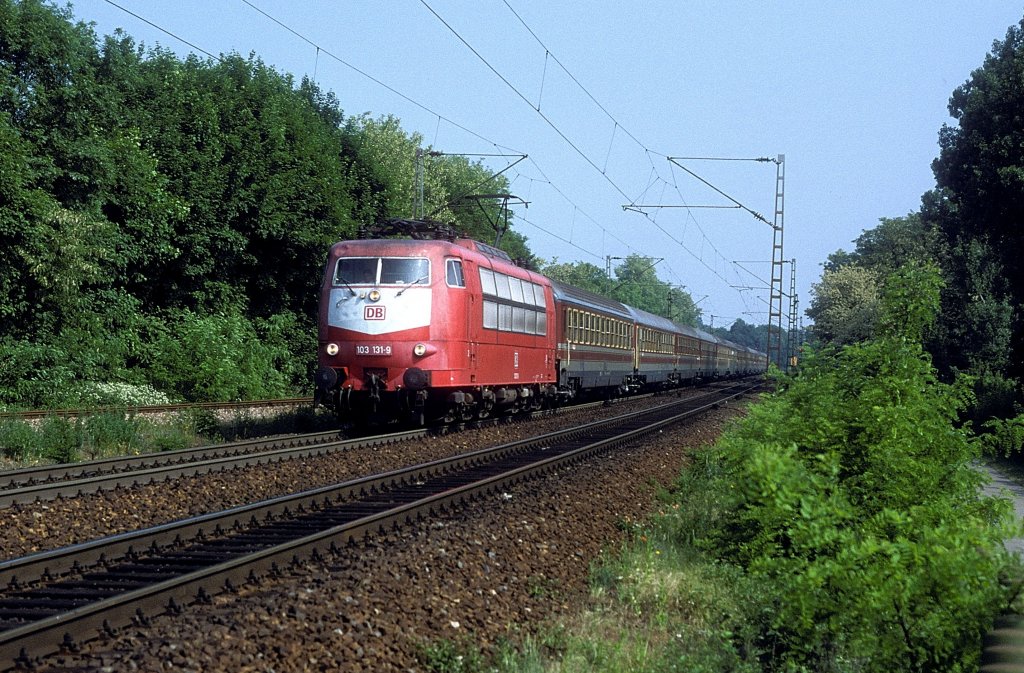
{"x": 373, "y": 313}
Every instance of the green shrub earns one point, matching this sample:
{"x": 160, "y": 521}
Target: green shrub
{"x": 448, "y": 656}
{"x": 850, "y": 496}
{"x": 216, "y": 358}
{"x": 18, "y": 440}
{"x": 995, "y": 397}
{"x": 167, "y": 437}
{"x": 109, "y": 434}
{"x": 60, "y": 439}
{"x": 34, "y": 375}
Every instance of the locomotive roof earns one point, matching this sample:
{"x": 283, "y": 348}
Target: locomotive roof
{"x": 587, "y": 299}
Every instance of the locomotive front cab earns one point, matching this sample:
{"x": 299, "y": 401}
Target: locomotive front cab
{"x": 375, "y": 325}
{"x": 376, "y": 314}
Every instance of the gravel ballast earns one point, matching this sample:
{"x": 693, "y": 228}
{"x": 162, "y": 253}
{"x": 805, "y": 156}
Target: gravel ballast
{"x": 493, "y": 571}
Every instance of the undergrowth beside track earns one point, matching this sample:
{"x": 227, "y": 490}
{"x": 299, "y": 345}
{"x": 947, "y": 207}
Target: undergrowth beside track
{"x": 57, "y": 439}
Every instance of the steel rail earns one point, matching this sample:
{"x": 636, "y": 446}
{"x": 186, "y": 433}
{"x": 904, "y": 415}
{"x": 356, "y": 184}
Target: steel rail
{"x": 21, "y": 645}
{"x": 149, "y": 468}
{"x": 37, "y": 474}
{"x": 48, "y": 482}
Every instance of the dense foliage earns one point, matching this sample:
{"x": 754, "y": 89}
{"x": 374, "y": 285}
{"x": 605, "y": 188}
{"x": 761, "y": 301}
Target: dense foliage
{"x": 977, "y": 208}
{"x": 851, "y": 498}
{"x": 164, "y": 221}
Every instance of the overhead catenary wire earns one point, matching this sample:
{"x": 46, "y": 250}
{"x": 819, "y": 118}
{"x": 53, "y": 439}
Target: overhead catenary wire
{"x": 575, "y": 148}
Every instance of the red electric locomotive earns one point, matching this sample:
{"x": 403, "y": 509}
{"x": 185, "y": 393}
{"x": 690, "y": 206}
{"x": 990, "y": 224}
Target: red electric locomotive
{"x": 432, "y": 329}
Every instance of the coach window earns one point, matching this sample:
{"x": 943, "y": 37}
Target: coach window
{"x": 453, "y": 273}
{"x": 487, "y": 282}
{"x": 490, "y": 315}
{"x": 531, "y": 322}
{"x": 519, "y": 319}
{"x": 501, "y": 283}
{"x": 538, "y": 295}
{"x": 516, "y": 287}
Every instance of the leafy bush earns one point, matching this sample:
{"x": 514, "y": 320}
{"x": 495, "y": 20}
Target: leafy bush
{"x": 33, "y": 374}
{"x": 995, "y": 397}
{"x": 109, "y": 434}
{"x": 167, "y": 437}
{"x": 60, "y": 439}
{"x": 851, "y": 497}
{"x": 216, "y": 358}
{"x": 18, "y": 440}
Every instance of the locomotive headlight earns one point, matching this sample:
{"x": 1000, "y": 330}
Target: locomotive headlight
{"x": 419, "y": 350}
{"x": 374, "y": 295}
{"x": 332, "y": 349}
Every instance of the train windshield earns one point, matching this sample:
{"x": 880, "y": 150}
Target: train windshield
{"x": 382, "y": 271}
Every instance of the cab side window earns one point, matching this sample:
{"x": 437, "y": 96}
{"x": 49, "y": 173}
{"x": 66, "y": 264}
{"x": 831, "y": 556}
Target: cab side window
{"x": 453, "y": 273}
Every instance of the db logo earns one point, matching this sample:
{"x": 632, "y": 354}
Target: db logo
{"x": 373, "y": 313}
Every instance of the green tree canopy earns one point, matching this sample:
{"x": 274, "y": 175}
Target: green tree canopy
{"x": 977, "y": 208}
{"x": 137, "y": 187}
{"x": 844, "y": 304}
{"x": 583, "y": 275}
{"x": 851, "y": 501}
{"x": 636, "y": 283}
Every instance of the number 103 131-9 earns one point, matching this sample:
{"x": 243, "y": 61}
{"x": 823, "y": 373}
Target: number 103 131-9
{"x": 373, "y": 349}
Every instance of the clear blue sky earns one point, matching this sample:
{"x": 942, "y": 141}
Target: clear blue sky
{"x": 853, "y": 94}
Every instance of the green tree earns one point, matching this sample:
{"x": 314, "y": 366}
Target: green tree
{"x": 844, "y": 304}
{"x": 638, "y": 285}
{"x": 894, "y": 242}
{"x": 583, "y": 275}
{"x": 977, "y": 206}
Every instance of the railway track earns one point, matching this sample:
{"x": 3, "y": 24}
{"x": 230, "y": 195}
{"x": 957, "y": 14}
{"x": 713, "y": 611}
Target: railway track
{"x": 58, "y": 598}
{"x": 53, "y": 481}
{"x": 69, "y": 480}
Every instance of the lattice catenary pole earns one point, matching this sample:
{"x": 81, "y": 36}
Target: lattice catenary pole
{"x": 775, "y": 298}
